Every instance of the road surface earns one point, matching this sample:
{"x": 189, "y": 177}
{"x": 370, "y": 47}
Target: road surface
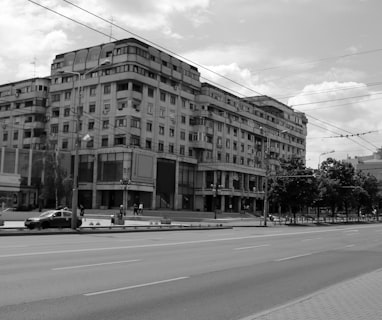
{"x": 219, "y": 274}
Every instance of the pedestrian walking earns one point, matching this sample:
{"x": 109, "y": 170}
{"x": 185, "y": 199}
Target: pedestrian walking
{"x": 135, "y": 209}
{"x": 140, "y": 209}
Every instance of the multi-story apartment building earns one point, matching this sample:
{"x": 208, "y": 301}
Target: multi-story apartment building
{"x": 179, "y": 143}
{"x": 23, "y": 107}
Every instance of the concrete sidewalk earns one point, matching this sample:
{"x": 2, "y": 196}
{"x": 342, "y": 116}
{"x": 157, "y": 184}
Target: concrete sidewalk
{"x": 355, "y": 299}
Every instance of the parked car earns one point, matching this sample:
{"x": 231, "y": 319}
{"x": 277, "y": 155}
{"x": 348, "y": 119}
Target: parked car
{"x": 52, "y": 219}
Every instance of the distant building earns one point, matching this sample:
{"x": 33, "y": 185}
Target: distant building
{"x": 371, "y": 164}
{"x": 156, "y": 134}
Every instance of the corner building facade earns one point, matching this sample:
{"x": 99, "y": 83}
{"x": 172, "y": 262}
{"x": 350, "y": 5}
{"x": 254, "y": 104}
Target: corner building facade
{"x": 177, "y": 143}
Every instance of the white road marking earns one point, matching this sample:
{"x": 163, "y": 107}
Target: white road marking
{"x": 170, "y": 243}
{"x": 310, "y": 239}
{"x": 252, "y": 247}
{"x": 294, "y": 257}
{"x": 350, "y": 246}
{"x": 134, "y": 287}
{"x": 94, "y": 265}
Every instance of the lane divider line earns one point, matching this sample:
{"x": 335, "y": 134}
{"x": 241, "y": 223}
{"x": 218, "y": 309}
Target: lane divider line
{"x": 134, "y": 287}
{"x": 252, "y": 247}
{"x": 294, "y": 257}
{"x": 94, "y": 265}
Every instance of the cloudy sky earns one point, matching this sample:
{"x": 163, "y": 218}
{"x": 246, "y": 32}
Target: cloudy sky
{"x": 320, "y": 57}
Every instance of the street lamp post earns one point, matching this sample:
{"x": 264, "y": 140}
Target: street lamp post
{"x": 125, "y": 182}
{"x": 267, "y": 172}
{"x": 215, "y": 190}
{"x": 266, "y": 177}
{"x": 77, "y": 141}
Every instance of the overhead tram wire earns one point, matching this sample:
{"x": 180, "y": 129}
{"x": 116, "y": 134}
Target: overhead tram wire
{"x": 159, "y": 46}
{"x": 71, "y": 19}
{"x": 320, "y": 59}
{"x": 310, "y": 93}
{"x": 347, "y": 131}
{"x": 163, "y": 48}
{"x": 134, "y": 34}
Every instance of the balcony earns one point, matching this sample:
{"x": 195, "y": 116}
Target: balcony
{"x": 201, "y": 145}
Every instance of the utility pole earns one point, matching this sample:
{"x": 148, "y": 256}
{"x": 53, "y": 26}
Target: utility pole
{"x": 266, "y": 177}
{"x": 125, "y": 182}
{"x": 215, "y": 190}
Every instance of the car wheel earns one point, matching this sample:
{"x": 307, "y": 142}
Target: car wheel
{"x": 44, "y": 225}
{"x": 31, "y": 227}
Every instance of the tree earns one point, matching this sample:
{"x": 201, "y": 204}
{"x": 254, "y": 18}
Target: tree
{"x": 336, "y": 183}
{"x": 55, "y": 187}
{"x": 294, "y": 187}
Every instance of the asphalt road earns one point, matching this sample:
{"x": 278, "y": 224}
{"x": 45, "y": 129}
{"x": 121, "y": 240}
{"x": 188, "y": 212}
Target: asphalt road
{"x": 219, "y": 274}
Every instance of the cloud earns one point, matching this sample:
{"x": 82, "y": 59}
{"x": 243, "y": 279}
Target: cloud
{"x": 350, "y": 109}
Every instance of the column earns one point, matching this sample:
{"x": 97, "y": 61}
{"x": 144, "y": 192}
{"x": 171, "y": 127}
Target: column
{"x": 153, "y": 195}
{"x": 16, "y": 160}
{"x": 94, "y": 185}
{"x": 176, "y": 195}
{"x": 30, "y": 167}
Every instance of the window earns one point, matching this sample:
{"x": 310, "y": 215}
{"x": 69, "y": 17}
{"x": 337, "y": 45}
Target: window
{"x": 163, "y": 96}
{"x": 135, "y": 140}
{"x": 16, "y": 135}
{"x": 106, "y": 107}
{"x": 161, "y": 130}
{"x": 150, "y": 108}
{"x": 92, "y": 91}
{"x": 172, "y": 132}
{"x": 67, "y": 95}
{"x": 55, "y": 113}
{"x": 182, "y": 135}
{"x": 149, "y": 127}
{"x": 148, "y": 144}
{"x": 90, "y": 143}
{"x": 135, "y": 123}
{"x": 219, "y": 142}
{"x": 150, "y": 92}
{"x": 107, "y": 89}
{"x": 121, "y": 105}
{"x": 119, "y": 139}
{"x": 64, "y": 144}
{"x": 162, "y": 112}
{"x": 55, "y": 97}
{"x": 235, "y": 146}
{"x": 182, "y": 150}
{"x": 53, "y": 128}
{"x": 171, "y": 148}
{"x": 219, "y": 156}
{"x": 120, "y": 122}
{"x": 160, "y": 147}
{"x": 105, "y": 124}
{"x": 124, "y": 86}
{"x": 228, "y": 143}
{"x": 105, "y": 141}
{"x": 5, "y": 136}
{"x": 137, "y": 87}
{"x": 183, "y": 119}
{"x": 91, "y": 125}
{"x": 65, "y": 127}
{"x": 173, "y": 99}
{"x": 66, "y": 112}
{"x": 92, "y": 108}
